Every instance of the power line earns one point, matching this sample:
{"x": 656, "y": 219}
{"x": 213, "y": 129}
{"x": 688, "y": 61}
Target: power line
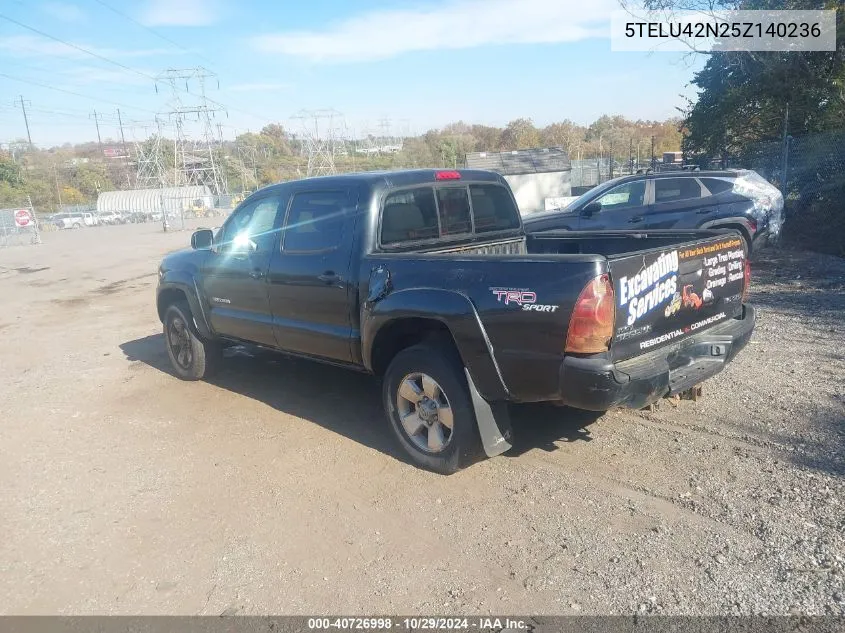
{"x": 122, "y": 66}
{"x": 153, "y": 31}
{"x": 79, "y": 48}
{"x": 119, "y": 65}
{"x": 75, "y": 94}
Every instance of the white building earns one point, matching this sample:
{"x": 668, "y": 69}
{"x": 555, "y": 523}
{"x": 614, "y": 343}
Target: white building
{"x": 540, "y": 178}
{"x": 172, "y": 200}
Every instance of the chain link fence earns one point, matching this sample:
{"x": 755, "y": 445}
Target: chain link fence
{"x": 19, "y": 226}
{"x": 810, "y": 172}
{"x": 177, "y": 212}
{"x": 590, "y": 171}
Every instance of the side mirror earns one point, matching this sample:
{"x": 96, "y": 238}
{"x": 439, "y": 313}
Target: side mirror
{"x": 593, "y": 207}
{"x": 202, "y": 239}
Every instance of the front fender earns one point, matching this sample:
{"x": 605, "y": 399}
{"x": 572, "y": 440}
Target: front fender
{"x": 184, "y": 282}
{"x": 454, "y": 310}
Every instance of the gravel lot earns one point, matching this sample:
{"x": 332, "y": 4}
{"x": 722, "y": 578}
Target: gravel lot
{"x": 277, "y": 488}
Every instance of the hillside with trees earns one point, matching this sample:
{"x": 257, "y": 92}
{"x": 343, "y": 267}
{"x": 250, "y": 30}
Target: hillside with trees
{"x": 74, "y": 174}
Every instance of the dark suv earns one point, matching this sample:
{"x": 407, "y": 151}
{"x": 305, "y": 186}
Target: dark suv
{"x": 739, "y": 199}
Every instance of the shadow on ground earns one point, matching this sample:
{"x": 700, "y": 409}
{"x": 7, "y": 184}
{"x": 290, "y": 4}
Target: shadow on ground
{"x": 347, "y": 402}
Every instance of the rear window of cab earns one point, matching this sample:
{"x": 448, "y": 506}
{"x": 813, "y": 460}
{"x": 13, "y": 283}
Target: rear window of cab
{"x": 446, "y": 212}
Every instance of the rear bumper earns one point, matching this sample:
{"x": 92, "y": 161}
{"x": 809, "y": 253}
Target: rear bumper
{"x": 598, "y": 384}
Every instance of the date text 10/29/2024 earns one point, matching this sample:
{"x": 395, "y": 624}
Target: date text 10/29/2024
{"x": 418, "y": 624}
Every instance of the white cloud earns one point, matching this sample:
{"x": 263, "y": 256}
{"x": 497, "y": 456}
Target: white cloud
{"x": 64, "y": 11}
{"x": 452, "y": 25}
{"x": 259, "y": 87}
{"x": 179, "y": 13}
{"x": 34, "y": 46}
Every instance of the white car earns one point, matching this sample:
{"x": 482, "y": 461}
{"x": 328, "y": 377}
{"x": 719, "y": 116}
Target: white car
{"x": 111, "y": 217}
{"x": 72, "y": 220}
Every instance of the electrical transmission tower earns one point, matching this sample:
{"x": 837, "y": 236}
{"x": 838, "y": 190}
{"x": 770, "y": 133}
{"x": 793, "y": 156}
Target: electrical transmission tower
{"x": 150, "y": 161}
{"x": 320, "y": 136}
{"x": 247, "y": 155}
{"x": 197, "y": 156}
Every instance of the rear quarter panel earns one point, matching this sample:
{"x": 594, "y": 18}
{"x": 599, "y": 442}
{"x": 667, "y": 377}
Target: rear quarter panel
{"x": 523, "y": 304}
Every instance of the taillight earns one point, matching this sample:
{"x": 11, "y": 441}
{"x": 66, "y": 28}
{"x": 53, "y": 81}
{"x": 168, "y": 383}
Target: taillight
{"x": 447, "y": 175}
{"x": 591, "y": 324}
{"x": 746, "y": 281}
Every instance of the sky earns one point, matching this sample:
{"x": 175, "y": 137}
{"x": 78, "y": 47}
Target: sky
{"x": 406, "y": 66}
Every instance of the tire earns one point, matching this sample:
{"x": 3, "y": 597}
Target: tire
{"x": 412, "y": 371}
{"x": 192, "y": 358}
{"x": 77, "y": 225}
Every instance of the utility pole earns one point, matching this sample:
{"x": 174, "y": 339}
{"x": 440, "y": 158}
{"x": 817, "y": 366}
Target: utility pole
{"x": 122, "y": 138}
{"x": 97, "y": 123}
{"x": 611, "y": 159}
{"x": 631, "y": 154}
{"x": 652, "y": 153}
{"x": 58, "y": 191}
{"x": 25, "y": 119}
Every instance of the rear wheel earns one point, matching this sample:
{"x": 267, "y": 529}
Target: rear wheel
{"x": 77, "y": 225}
{"x": 429, "y": 409}
{"x": 192, "y": 358}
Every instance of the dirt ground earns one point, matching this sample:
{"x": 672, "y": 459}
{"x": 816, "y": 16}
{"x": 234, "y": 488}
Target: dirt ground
{"x": 277, "y": 487}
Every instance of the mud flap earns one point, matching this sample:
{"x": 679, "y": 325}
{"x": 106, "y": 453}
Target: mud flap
{"x": 494, "y": 424}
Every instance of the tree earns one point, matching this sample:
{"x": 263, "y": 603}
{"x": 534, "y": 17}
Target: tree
{"x": 10, "y": 172}
{"x": 565, "y": 134}
{"x": 89, "y": 179}
{"x": 275, "y": 137}
{"x": 72, "y": 195}
{"x": 487, "y": 139}
{"x": 520, "y": 134}
{"x": 743, "y": 95}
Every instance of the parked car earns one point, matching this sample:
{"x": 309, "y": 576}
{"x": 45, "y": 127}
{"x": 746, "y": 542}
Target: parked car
{"x": 740, "y": 199}
{"x": 111, "y": 217}
{"x": 427, "y": 279}
{"x": 74, "y": 220}
{"x": 137, "y": 217}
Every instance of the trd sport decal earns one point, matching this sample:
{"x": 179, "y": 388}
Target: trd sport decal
{"x": 526, "y": 299}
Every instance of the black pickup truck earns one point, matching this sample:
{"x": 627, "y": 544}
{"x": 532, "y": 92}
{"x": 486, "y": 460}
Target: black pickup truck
{"x": 426, "y": 279}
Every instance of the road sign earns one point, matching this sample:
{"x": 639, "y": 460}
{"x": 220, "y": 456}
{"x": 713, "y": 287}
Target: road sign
{"x": 23, "y": 218}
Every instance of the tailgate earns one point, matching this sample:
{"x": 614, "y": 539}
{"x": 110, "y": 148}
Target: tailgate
{"x": 665, "y": 295}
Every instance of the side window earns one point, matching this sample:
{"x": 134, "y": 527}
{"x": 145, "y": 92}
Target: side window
{"x": 717, "y": 185}
{"x": 412, "y": 215}
{"x": 252, "y": 222}
{"x": 409, "y": 216}
{"x": 493, "y": 209}
{"x": 624, "y": 196}
{"x": 675, "y": 189}
{"x": 315, "y": 221}
{"x": 454, "y": 211}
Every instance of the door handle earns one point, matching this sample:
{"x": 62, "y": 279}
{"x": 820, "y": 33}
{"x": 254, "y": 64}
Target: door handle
{"x": 703, "y": 211}
{"x": 329, "y": 277}
{"x": 256, "y": 273}
{"x": 638, "y": 218}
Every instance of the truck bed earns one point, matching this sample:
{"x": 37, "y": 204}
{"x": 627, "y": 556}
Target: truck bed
{"x": 668, "y": 284}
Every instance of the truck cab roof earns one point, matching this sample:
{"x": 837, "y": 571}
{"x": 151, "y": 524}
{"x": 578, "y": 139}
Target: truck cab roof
{"x": 395, "y": 178}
